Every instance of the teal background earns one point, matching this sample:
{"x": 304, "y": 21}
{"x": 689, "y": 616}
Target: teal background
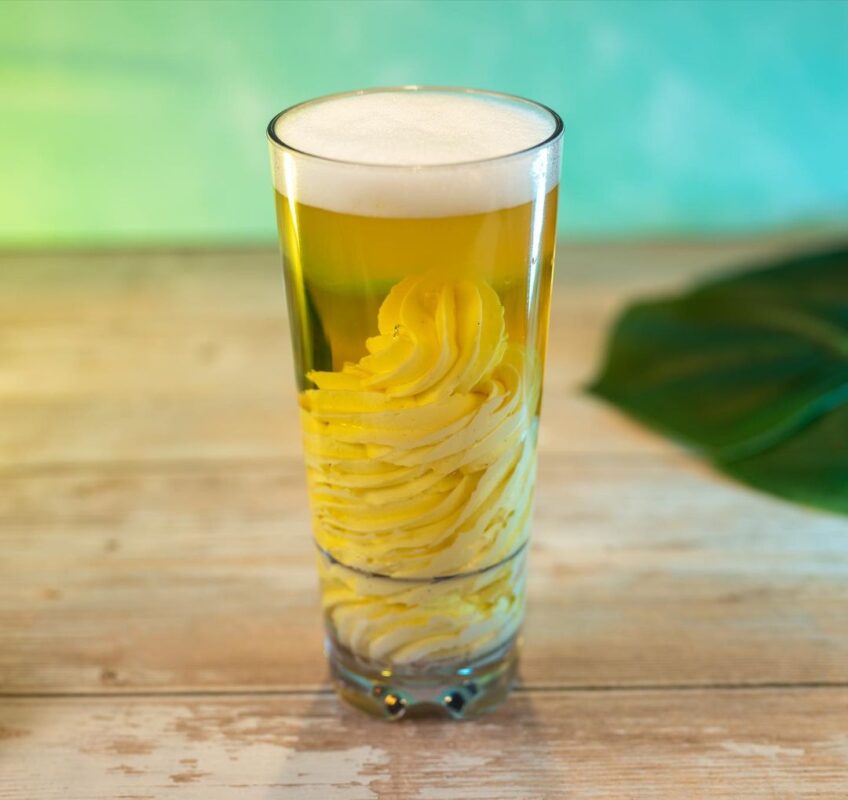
{"x": 143, "y": 122}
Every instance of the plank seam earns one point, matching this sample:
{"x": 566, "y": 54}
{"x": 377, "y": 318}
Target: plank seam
{"x": 564, "y": 689}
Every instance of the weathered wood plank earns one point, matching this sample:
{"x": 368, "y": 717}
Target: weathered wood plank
{"x": 645, "y": 570}
{"x": 744, "y": 744}
{"x": 154, "y": 537}
{"x": 174, "y": 355}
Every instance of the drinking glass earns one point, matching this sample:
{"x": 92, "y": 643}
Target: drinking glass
{"x": 418, "y": 276}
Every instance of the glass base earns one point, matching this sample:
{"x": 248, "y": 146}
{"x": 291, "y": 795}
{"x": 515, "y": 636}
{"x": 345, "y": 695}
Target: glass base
{"x": 455, "y": 691}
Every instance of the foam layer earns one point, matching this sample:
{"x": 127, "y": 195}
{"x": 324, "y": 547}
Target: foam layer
{"x": 414, "y": 128}
{"x": 415, "y": 153}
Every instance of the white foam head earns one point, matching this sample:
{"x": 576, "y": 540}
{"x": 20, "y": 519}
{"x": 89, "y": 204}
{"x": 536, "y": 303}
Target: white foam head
{"x": 414, "y": 152}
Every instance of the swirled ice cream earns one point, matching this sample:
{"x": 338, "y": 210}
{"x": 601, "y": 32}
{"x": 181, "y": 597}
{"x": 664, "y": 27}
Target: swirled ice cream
{"x": 420, "y": 462}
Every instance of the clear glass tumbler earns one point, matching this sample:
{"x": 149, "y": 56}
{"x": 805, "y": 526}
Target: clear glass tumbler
{"x": 417, "y": 228}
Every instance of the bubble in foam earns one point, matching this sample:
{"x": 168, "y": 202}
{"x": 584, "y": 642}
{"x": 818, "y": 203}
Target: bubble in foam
{"x": 415, "y": 153}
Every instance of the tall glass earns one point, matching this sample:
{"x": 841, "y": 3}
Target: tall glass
{"x": 418, "y": 294}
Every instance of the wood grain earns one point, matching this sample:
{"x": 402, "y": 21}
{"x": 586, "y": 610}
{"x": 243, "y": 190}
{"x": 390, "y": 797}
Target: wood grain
{"x": 787, "y": 743}
{"x": 159, "y": 625}
{"x": 644, "y": 570}
{"x": 125, "y": 357}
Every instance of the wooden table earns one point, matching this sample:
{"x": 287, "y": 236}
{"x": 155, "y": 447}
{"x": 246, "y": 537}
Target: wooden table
{"x": 159, "y": 627}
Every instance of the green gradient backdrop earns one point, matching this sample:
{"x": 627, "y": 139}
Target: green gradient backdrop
{"x": 144, "y": 121}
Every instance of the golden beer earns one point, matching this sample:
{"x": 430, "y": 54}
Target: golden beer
{"x": 419, "y": 300}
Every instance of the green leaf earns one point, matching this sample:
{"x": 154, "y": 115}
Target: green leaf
{"x": 810, "y": 467}
{"x": 750, "y": 370}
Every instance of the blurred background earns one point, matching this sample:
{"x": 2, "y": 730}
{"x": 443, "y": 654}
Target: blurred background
{"x": 128, "y": 122}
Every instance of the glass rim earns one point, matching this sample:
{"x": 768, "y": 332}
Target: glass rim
{"x": 278, "y": 143}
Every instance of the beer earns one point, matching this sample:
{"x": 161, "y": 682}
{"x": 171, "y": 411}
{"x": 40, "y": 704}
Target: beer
{"x": 417, "y": 231}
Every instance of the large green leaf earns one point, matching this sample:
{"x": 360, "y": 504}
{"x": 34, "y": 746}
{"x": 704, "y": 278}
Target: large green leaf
{"x": 751, "y": 370}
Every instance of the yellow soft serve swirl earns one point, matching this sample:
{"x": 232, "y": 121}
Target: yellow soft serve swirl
{"x": 420, "y": 462}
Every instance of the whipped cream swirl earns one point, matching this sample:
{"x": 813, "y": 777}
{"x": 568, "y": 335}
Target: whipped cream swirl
{"x": 420, "y": 463}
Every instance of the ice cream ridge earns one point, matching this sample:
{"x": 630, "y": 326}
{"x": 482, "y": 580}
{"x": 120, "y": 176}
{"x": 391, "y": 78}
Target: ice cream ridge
{"x": 420, "y": 465}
